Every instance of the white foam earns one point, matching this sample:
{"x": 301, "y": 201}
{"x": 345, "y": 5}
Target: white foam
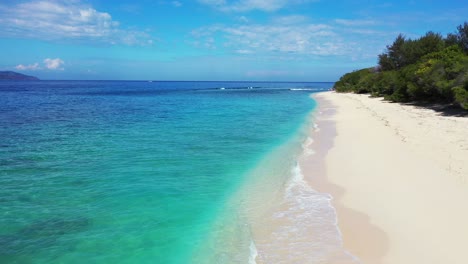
{"x": 253, "y": 253}
{"x": 309, "y": 152}
{"x": 308, "y": 142}
{"x": 303, "y": 89}
{"x": 309, "y": 231}
{"x": 316, "y": 128}
{"x": 306, "y": 146}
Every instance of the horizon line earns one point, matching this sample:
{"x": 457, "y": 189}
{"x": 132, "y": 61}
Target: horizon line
{"x": 150, "y": 80}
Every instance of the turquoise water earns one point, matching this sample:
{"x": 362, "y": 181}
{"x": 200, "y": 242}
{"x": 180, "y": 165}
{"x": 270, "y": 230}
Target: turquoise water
{"x": 132, "y": 172}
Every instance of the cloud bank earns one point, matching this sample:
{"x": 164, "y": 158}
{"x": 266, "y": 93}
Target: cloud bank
{"x": 54, "y": 64}
{"x": 49, "y": 64}
{"x": 249, "y": 5}
{"x": 295, "y": 37}
{"x": 30, "y": 67}
{"x": 303, "y": 38}
{"x": 62, "y": 19}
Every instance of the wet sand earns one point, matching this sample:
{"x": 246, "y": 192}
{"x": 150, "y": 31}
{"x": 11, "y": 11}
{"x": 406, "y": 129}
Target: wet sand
{"x": 398, "y": 175}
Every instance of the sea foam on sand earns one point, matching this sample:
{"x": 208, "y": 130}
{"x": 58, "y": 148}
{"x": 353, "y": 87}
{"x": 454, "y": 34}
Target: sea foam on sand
{"x": 300, "y": 226}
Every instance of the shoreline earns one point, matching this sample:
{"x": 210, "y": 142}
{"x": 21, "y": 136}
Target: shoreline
{"x": 397, "y": 176}
{"x": 299, "y": 223}
{"x": 315, "y": 170}
{"x": 288, "y": 220}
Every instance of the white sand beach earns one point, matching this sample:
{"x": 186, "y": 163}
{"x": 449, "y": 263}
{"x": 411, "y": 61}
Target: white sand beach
{"x": 399, "y": 177}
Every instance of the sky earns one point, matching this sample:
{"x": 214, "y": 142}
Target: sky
{"x": 239, "y": 40}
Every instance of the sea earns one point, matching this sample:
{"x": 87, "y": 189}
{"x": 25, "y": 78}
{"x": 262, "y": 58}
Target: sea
{"x": 159, "y": 172}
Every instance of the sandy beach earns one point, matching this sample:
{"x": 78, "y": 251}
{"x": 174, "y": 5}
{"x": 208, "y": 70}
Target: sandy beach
{"x": 398, "y": 175}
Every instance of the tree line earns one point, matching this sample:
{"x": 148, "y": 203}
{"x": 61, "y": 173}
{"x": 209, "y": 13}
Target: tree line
{"x": 431, "y": 68}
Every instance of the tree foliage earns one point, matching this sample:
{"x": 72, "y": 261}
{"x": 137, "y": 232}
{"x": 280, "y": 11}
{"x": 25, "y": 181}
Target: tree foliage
{"x": 404, "y": 51}
{"x": 462, "y": 36}
{"x": 430, "y": 68}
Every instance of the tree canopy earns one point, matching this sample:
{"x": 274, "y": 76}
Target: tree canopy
{"x": 430, "y": 68}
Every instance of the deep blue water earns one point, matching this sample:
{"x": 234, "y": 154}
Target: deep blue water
{"x": 131, "y": 172}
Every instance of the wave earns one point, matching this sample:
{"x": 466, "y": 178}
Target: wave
{"x": 309, "y": 231}
{"x": 243, "y": 88}
{"x": 302, "y": 225}
{"x": 306, "y": 89}
{"x": 253, "y": 253}
{"x": 306, "y": 146}
{"x": 271, "y": 88}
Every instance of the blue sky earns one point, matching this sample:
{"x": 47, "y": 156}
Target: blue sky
{"x": 295, "y": 40}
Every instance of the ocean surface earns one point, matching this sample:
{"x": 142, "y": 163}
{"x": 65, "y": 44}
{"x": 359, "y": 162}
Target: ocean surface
{"x": 153, "y": 172}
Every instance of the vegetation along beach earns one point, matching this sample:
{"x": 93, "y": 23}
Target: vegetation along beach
{"x": 243, "y": 131}
{"x": 399, "y": 172}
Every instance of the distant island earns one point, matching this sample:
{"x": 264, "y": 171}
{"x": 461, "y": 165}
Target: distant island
{"x": 10, "y": 75}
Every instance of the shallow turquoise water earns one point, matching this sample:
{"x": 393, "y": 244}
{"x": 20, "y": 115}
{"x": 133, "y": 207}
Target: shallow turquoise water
{"x": 130, "y": 172}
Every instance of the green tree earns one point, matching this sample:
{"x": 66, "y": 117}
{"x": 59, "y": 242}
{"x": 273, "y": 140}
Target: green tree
{"x": 353, "y": 81}
{"x": 385, "y": 83}
{"x": 393, "y": 57}
{"x": 428, "y": 68}
{"x": 431, "y": 42}
{"x": 461, "y": 96}
{"x": 404, "y": 52}
{"x": 451, "y": 39}
{"x": 463, "y": 36}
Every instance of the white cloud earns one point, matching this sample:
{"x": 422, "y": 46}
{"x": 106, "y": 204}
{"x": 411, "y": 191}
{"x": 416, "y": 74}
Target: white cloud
{"x": 243, "y": 19}
{"x": 243, "y": 51}
{"x": 268, "y": 73}
{"x": 292, "y": 19}
{"x": 213, "y": 2}
{"x": 249, "y": 5}
{"x": 54, "y": 64}
{"x": 295, "y": 38}
{"x": 30, "y": 67}
{"x": 49, "y": 64}
{"x": 176, "y": 3}
{"x": 355, "y": 22}
{"x": 61, "y": 19}
{"x": 312, "y": 39}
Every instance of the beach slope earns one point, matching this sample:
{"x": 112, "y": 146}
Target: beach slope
{"x": 398, "y": 175}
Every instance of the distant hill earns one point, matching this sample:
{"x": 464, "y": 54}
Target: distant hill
{"x": 9, "y": 75}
